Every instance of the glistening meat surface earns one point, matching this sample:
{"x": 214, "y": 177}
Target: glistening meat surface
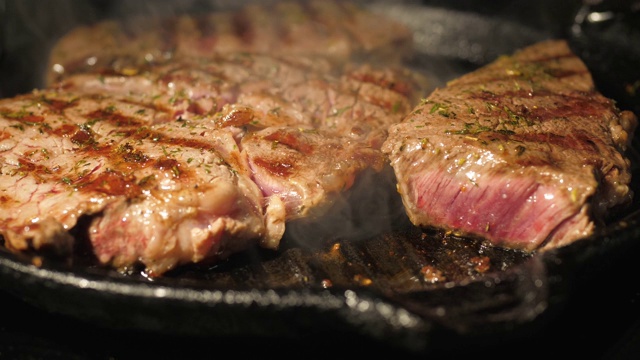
{"x": 191, "y": 160}
{"x": 163, "y": 195}
{"x": 304, "y": 126}
{"x": 524, "y": 152}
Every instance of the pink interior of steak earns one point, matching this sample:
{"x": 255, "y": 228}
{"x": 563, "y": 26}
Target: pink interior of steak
{"x": 523, "y": 152}
{"x": 195, "y": 156}
{"x": 163, "y": 195}
{"x": 304, "y": 167}
{"x": 513, "y": 211}
{"x": 191, "y": 138}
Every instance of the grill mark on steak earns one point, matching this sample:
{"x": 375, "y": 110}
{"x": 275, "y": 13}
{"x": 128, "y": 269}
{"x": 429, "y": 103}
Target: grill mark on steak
{"x": 325, "y": 28}
{"x": 26, "y": 166}
{"x": 21, "y": 117}
{"x": 578, "y": 141}
{"x": 280, "y": 168}
{"x": 581, "y": 106}
{"x": 291, "y": 141}
{"x": 191, "y": 160}
{"x": 58, "y": 105}
{"x": 110, "y": 176}
{"x": 81, "y": 134}
{"x": 243, "y": 28}
{"x": 110, "y": 183}
{"x": 113, "y": 117}
{"x": 560, "y": 105}
{"x": 184, "y": 144}
{"x": 523, "y": 153}
{"x": 559, "y": 74}
{"x": 307, "y": 168}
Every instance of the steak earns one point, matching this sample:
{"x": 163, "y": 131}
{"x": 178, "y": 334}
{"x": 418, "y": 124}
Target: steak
{"x": 524, "y": 153}
{"x": 189, "y": 160}
{"x": 339, "y": 30}
{"x": 159, "y": 194}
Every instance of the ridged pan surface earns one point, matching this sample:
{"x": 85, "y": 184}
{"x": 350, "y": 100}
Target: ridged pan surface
{"x": 403, "y": 286}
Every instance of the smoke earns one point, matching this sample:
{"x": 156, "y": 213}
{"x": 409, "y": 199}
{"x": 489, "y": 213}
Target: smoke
{"x": 440, "y": 35}
{"x": 371, "y": 207}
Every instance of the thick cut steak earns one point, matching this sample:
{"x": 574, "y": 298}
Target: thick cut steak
{"x": 523, "y": 152}
{"x": 189, "y": 160}
{"x": 187, "y": 138}
{"x": 164, "y": 195}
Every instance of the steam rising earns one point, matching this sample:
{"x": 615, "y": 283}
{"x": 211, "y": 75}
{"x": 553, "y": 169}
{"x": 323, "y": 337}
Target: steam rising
{"x": 372, "y": 207}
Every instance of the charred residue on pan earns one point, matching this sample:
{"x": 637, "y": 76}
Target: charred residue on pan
{"x": 428, "y": 258}
{"x": 402, "y": 261}
{"x": 394, "y": 258}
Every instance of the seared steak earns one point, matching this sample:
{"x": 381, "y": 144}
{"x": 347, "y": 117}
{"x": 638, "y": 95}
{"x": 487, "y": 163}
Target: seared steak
{"x": 523, "y": 152}
{"x": 190, "y": 160}
{"x": 340, "y": 30}
{"x": 290, "y": 107}
{"x": 164, "y": 194}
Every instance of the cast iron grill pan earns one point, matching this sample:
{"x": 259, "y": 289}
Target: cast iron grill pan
{"x": 412, "y": 289}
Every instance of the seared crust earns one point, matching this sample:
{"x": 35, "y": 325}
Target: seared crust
{"x": 523, "y": 152}
{"x": 189, "y": 160}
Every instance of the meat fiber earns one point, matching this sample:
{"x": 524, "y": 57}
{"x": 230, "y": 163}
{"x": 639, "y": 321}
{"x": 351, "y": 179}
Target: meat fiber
{"x": 162, "y": 195}
{"x": 524, "y": 152}
{"x": 190, "y": 160}
{"x": 185, "y": 139}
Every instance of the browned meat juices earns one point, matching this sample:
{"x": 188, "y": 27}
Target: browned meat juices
{"x": 524, "y": 152}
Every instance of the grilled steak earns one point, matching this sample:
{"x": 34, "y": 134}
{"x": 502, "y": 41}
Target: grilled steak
{"x": 162, "y": 194}
{"x": 523, "y": 152}
{"x": 340, "y": 30}
{"x": 189, "y": 160}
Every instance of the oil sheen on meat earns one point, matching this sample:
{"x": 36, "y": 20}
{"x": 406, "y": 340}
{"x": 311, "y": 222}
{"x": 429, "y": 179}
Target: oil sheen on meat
{"x": 192, "y": 159}
{"x": 524, "y": 152}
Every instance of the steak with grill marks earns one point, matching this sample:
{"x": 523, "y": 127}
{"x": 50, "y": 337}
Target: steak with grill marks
{"x": 294, "y": 109}
{"x": 339, "y": 30}
{"x": 524, "y": 152}
{"x": 163, "y": 195}
{"x": 191, "y": 160}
